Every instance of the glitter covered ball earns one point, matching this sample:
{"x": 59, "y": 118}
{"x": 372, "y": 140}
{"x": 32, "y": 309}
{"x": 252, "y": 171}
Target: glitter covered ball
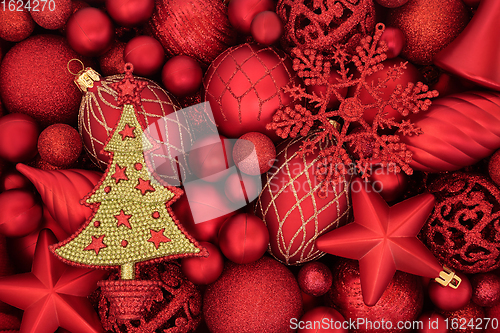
{"x": 494, "y": 167}
{"x": 60, "y": 145}
{"x": 391, "y": 3}
{"x": 432, "y": 323}
{"x": 245, "y": 86}
{"x": 486, "y": 289}
{"x": 315, "y": 278}
{"x": 34, "y": 80}
{"x": 15, "y": 25}
{"x": 254, "y": 153}
{"x": 322, "y": 315}
{"x": 112, "y": 62}
{"x": 259, "y": 297}
{"x": 55, "y": 17}
{"x": 469, "y": 312}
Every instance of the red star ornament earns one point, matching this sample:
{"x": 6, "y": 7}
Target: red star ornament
{"x": 145, "y": 186}
{"x": 383, "y": 239}
{"x": 54, "y": 294}
{"x": 127, "y": 132}
{"x": 157, "y": 237}
{"x": 120, "y": 174}
{"x": 123, "y": 219}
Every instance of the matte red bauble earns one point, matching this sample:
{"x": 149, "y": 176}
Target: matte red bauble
{"x": 242, "y": 189}
{"x": 262, "y": 296}
{"x": 254, "y": 153}
{"x": 390, "y": 185}
{"x": 11, "y": 179}
{"x": 15, "y": 25}
{"x": 21, "y": 213}
{"x": 204, "y": 270}
{"x": 211, "y": 157}
{"x": 395, "y": 41}
{"x": 60, "y": 145}
{"x": 112, "y": 62}
{"x": 292, "y": 209}
{"x": 243, "y": 238}
{"x": 470, "y": 312}
{"x": 34, "y": 80}
{"x": 145, "y": 53}
{"x": 322, "y": 319}
{"x": 89, "y": 32}
{"x": 266, "y": 28}
{"x": 129, "y": 13}
{"x": 432, "y": 323}
{"x": 245, "y": 86}
{"x": 242, "y": 12}
{"x": 18, "y": 137}
{"x": 315, "y": 278}
{"x": 486, "y": 289}
{"x": 53, "y": 14}
{"x": 449, "y": 299}
{"x": 182, "y": 75}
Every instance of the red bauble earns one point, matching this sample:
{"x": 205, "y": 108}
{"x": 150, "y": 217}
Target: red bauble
{"x": 449, "y": 299}
{"x": 322, "y": 319}
{"x": 145, "y": 53}
{"x": 9, "y": 323}
{"x": 18, "y": 137}
{"x": 245, "y": 86}
{"x": 129, "y": 13}
{"x": 112, "y": 61}
{"x": 266, "y": 28}
{"x": 432, "y": 323}
{"x": 467, "y": 314}
{"x": 196, "y": 28}
{"x": 494, "y": 167}
{"x": 60, "y": 145}
{"x": 402, "y": 300}
{"x": 242, "y": 12}
{"x": 294, "y": 224}
{"x": 89, "y": 31}
{"x": 321, "y": 89}
{"x": 204, "y": 270}
{"x": 486, "y": 289}
{"x": 211, "y": 157}
{"x": 241, "y": 189}
{"x": 395, "y": 41}
{"x": 254, "y": 153}
{"x": 391, "y": 3}
{"x": 15, "y": 25}
{"x": 54, "y": 14}
{"x": 390, "y": 185}
{"x": 243, "y": 238}
{"x": 493, "y": 312}
{"x": 21, "y": 213}
{"x": 315, "y": 278}
{"x": 259, "y": 297}
{"x": 182, "y": 75}
{"x": 12, "y": 179}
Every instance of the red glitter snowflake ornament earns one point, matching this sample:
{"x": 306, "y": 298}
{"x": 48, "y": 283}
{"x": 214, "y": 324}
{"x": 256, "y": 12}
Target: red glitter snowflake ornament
{"x": 336, "y": 124}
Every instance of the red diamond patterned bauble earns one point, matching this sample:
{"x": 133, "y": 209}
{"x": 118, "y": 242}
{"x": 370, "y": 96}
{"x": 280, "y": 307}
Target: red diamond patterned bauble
{"x": 292, "y": 209}
{"x": 244, "y": 86}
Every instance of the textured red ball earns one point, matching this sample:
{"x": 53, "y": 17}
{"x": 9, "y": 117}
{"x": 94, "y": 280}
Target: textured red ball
{"x": 182, "y": 75}
{"x": 129, "y": 13}
{"x": 145, "y": 53}
{"x": 486, "y": 289}
{"x": 242, "y": 12}
{"x": 89, "y": 31}
{"x": 204, "y": 270}
{"x": 18, "y": 137}
{"x": 60, "y": 145}
{"x": 243, "y": 238}
{"x": 112, "y": 61}
{"x": 449, "y": 299}
{"x": 242, "y": 189}
{"x": 254, "y": 153}
{"x": 470, "y": 312}
{"x": 266, "y": 28}
{"x": 322, "y": 319}
{"x": 54, "y": 14}
{"x": 494, "y": 167}
{"x": 390, "y": 185}
{"x": 245, "y": 86}
{"x": 321, "y": 89}
{"x": 432, "y": 323}
{"x": 395, "y": 41}
{"x": 315, "y": 278}
{"x": 12, "y": 179}
{"x": 493, "y": 312}
{"x": 210, "y": 158}
{"x": 21, "y": 213}
{"x": 391, "y": 3}
{"x": 262, "y": 296}
{"x": 15, "y": 25}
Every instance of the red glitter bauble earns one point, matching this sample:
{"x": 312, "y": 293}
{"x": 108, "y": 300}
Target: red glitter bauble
{"x": 322, "y": 24}
{"x": 145, "y": 53}
{"x": 432, "y": 323}
{"x": 15, "y": 25}
{"x": 391, "y": 3}
{"x": 266, "y": 28}
{"x": 242, "y": 12}
{"x": 315, "y": 279}
{"x": 89, "y": 31}
{"x": 34, "y": 80}
{"x": 242, "y": 189}
{"x": 292, "y": 208}
{"x": 21, "y": 213}
{"x": 60, "y": 145}
{"x": 11, "y": 179}
{"x": 129, "y": 13}
{"x": 390, "y": 185}
{"x": 243, "y": 238}
{"x": 450, "y": 299}
{"x": 245, "y": 86}
{"x": 463, "y": 230}
{"x": 486, "y": 289}
{"x": 493, "y": 312}
{"x": 18, "y": 137}
{"x": 322, "y": 319}
{"x": 182, "y": 75}
{"x": 467, "y": 314}
{"x": 254, "y": 153}
{"x": 204, "y": 270}
{"x": 210, "y": 157}
{"x": 55, "y": 17}
{"x": 395, "y": 41}
{"x": 425, "y": 35}
{"x": 112, "y": 62}
{"x": 494, "y": 167}
{"x": 402, "y": 300}
{"x": 196, "y": 28}
{"x": 259, "y": 297}
{"x": 321, "y": 89}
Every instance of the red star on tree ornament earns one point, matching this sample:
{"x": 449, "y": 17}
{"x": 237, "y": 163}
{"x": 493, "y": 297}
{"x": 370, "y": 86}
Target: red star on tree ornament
{"x": 96, "y": 244}
{"x": 123, "y": 219}
{"x": 144, "y": 186}
{"x": 158, "y": 237}
{"x": 54, "y": 294}
{"x": 129, "y": 89}
{"x": 383, "y": 239}
{"x": 127, "y": 132}
{"x": 119, "y": 174}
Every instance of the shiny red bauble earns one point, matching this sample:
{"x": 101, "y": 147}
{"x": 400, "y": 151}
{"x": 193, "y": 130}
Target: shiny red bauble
{"x": 322, "y": 319}
{"x": 53, "y": 14}
{"x": 390, "y": 185}
{"x": 395, "y": 41}
{"x": 242, "y": 189}
{"x": 21, "y": 213}
{"x": 15, "y": 25}
{"x": 242, "y": 12}
{"x": 204, "y": 270}
{"x": 211, "y": 157}
{"x": 254, "y": 153}
{"x": 485, "y": 289}
{"x": 18, "y": 137}
{"x": 243, "y": 238}
{"x": 266, "y": 28}
{"x": 432, "y": 323}
{"x": 145, "y": 53}
{"x": 315, "y": 278}
{"x": 319, "y": 90}
{"x": 60, "y": 145}
{"x": 129, "y": 13}
{"x": 449, "y": 299}
{"x": 89, "y": 31}
{"x": 182, "y": 75}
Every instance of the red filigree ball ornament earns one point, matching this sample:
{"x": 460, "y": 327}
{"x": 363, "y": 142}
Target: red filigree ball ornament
{"x": 229, "y": 304}
{"x": 266, "y": 28}
{"x": 60, "y": 145}
{"x": 486, "y": 289}
{"x": 292, "y": 208}
{"x": 129, "y": 13}
{"x": 21, "y": 213}
{"x": 18, "y": 137}
{"x": 145, "y": 53}
{"x": 54, "y": 16}
{"x": 112, "y": 62}
{"x": 450, "y": 299}
{"x": 463, "y": 231}
{"x": 242, "y": 12}
{"x": 182, "y": 75}
{"x": 315, "y": 278}
{"x": 432, "y": 323}
{"x": 254, "y": 153}
{"x": 469, "y": 312}
{"x": 15, "y": 25}
{"x": 245, "y": 86}
{"x": 322, "y": 24}
{"x": 204, "y": 270}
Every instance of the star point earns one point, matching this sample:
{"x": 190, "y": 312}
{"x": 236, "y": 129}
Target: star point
{"x": 157, "y": 237}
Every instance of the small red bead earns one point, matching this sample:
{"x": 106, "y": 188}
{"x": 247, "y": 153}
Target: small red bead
{"x": 138, "y": 166}
{"x": 107, "y": 189}
{"x": 97, "y": 224}
{"x": 124, "y": 243}
{"x": 156, "y": 215}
